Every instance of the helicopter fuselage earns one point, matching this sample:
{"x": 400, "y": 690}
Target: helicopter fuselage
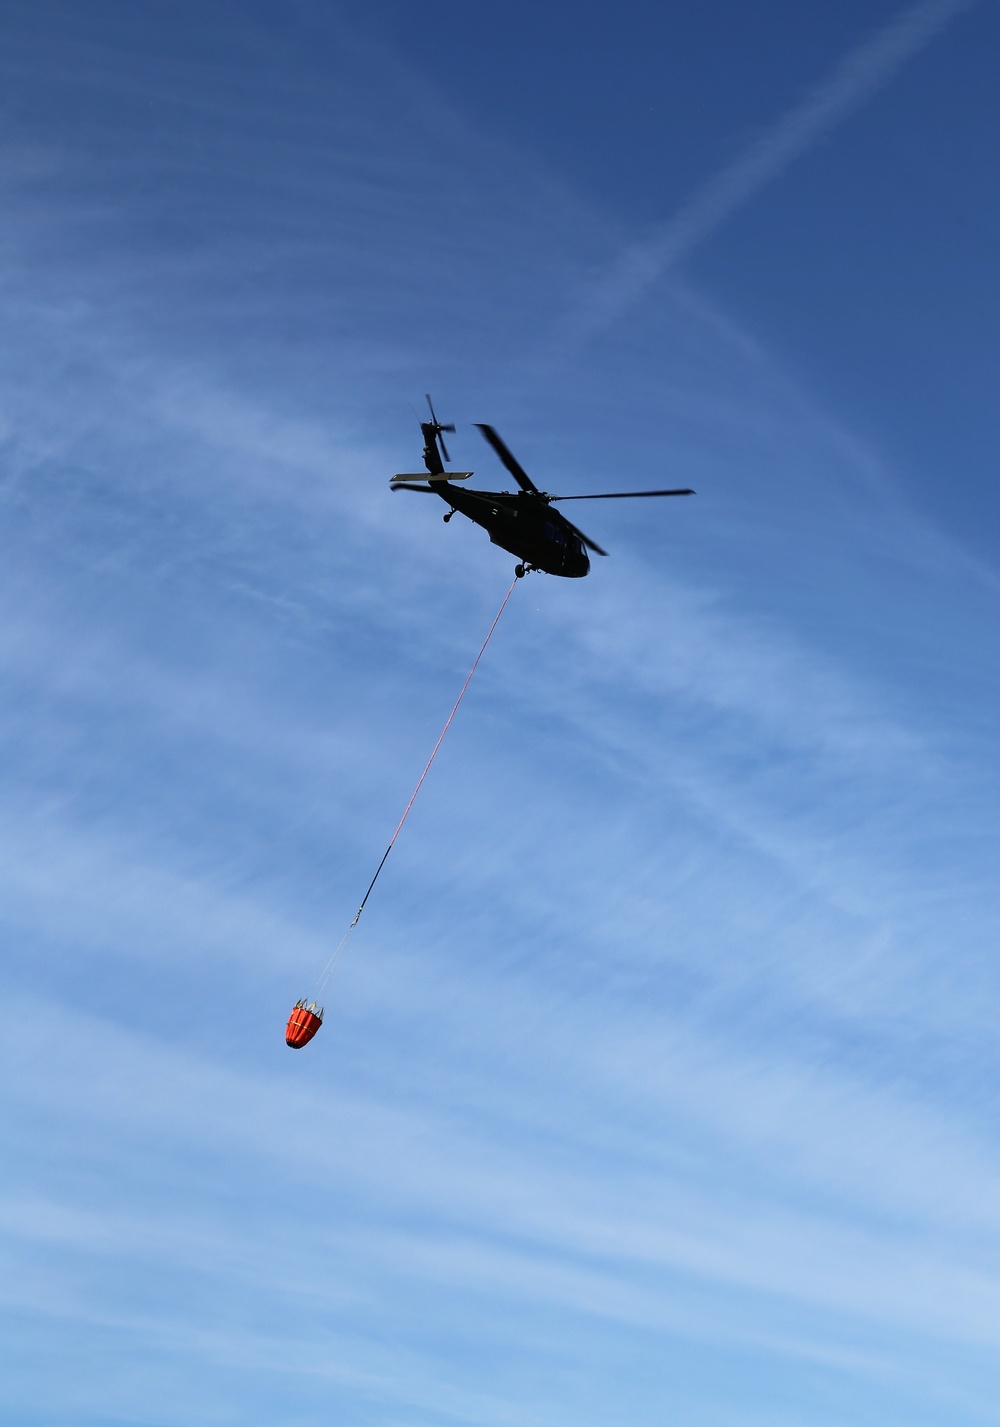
{"x": 524, "y": 523}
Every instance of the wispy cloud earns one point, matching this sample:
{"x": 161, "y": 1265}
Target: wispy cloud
{"x": 649, "y": 1046}
{"x": 855, "y": 79}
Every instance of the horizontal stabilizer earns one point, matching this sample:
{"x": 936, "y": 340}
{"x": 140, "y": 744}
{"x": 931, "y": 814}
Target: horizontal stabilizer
{"x": 424, "y": 476}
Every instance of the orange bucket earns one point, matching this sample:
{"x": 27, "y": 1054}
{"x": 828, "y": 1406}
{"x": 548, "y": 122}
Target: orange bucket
{"x": 303, "y": 1024}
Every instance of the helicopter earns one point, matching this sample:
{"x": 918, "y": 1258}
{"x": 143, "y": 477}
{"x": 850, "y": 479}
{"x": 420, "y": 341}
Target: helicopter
{"x": 523, "y": 521}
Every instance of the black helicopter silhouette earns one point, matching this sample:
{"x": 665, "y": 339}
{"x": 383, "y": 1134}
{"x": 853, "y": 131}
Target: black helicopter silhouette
{"x": 522, "y": 522}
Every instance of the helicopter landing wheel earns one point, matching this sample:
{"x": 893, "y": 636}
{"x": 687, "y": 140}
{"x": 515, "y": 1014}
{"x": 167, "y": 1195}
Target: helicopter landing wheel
{"x": 520, "y": 571}
{"x": 448, "y": 516}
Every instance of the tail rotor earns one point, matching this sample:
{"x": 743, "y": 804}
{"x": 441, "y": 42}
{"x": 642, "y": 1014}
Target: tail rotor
{"x": 438, "y": 428}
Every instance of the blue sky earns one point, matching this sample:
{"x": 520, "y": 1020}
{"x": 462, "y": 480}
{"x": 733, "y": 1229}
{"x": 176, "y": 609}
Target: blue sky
{"x": 659, "y": 1081}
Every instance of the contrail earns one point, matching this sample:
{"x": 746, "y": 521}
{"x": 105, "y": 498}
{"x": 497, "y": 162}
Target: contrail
{"x": 859, "y": 75}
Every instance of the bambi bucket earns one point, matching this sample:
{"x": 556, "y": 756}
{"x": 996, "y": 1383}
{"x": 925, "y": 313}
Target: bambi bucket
{"x": 303, "y": 1024}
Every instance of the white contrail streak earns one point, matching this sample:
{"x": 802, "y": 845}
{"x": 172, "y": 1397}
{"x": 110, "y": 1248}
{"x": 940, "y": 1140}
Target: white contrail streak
{"x": 858, "y": 76}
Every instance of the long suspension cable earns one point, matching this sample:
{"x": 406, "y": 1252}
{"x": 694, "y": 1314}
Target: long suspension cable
{"x": 339, "y": 950}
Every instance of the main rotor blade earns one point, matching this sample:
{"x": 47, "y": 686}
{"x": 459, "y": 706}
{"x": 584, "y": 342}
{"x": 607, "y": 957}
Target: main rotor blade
{"x": 590, "y": 544}
{"x": 618, "y": 495}
{"x": 514, "y": 466}
{"x": 399, "y": 486}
